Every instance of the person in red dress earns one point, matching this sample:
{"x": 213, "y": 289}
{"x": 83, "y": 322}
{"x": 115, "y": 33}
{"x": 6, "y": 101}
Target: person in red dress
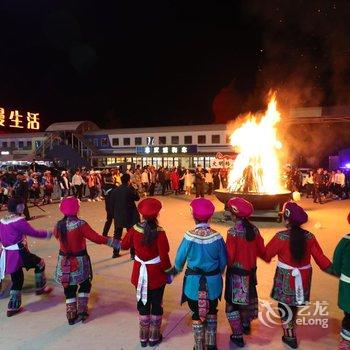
{"x": 292, "y": 282}
{"x": 73, "y": 269}
{"x": 175, "y": 181}
{"x": 151, "y": 271}
{"x": 244, "y": 245}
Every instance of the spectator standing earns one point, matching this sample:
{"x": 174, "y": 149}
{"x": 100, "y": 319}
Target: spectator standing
{"x": 175, "y": 181}
{"x": 318, "y": 182}
{"x": 145, "y": 181}
{"x": 209, "y": 181}
{"x": 124, "y": 209}
{"x": 310, "y": 184}
{"x": 77, "y": 183}
{"x": 188, "y": 182}
{"x": 91, "y": 182}
{"x": 199, "y": 181}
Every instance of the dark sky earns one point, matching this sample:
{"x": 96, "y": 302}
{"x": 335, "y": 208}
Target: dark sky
{"x": 138, "y": 63}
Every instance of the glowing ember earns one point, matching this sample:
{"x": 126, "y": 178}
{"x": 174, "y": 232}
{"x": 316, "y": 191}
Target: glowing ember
{"x": 256, "y": 168}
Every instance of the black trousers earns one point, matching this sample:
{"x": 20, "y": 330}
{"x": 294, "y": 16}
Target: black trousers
{"x": 108, "y": 225}
{"x": 32, "y": 261}
{"x": 210, "y": 188}
{"x": 310, "y": 190}
{"x": 199, "y": 190}
{"x": 152, "y": 188}
{"x": 163, "y": 188}
{"x": 154, "y": 302}
{"x": 193, "y": 305}
{"x": 17, "y": 279}
{"x": 78, "y": 191}
{"x": 70, "y": 292}
{"x": 285, "y": 311}
{"x": 92, "y": 192}
{"x": 26, "y": 211}
{"x": 317, "y": 194}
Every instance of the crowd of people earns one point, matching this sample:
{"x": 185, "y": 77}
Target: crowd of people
{"x": 203, "y": 251}
{"x": 320, "y": 184}
{"x": 42, "y": 188}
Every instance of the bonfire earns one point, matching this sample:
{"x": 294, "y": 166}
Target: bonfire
{"x": 257, "y": 167}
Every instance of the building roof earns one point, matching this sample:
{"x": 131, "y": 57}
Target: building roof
{"x": 84, "y": 125}
{"x": 159, "y": 129}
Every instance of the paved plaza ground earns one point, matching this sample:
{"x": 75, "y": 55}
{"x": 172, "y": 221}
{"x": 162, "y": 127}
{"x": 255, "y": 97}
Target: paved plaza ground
{"x": 113, "y": 323}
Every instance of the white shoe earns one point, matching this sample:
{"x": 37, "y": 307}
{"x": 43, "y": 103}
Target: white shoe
{"x": 98, "y": 199}
{"x": 89, "y": 200}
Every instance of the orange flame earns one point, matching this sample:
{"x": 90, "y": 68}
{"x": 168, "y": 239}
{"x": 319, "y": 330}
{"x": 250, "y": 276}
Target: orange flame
{"x": 257, "y": 168}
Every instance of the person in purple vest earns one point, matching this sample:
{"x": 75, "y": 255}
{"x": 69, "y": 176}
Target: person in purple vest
{"x": 15, "y": 254}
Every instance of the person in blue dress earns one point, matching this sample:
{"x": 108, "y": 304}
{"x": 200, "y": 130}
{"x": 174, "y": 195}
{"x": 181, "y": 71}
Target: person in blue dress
{"x": 204, "y": 251}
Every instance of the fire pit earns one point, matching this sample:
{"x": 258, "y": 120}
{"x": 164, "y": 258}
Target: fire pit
{"x": 260, "y": 201}
{"x": 256, "y": 174}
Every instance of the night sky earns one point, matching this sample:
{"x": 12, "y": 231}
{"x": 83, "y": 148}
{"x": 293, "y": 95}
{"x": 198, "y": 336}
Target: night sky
{"x": 144, "y": 63}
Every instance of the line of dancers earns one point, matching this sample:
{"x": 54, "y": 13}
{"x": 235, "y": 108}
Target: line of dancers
{"x": 206, "y": 256}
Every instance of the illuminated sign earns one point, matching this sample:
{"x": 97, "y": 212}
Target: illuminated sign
{"x": 166, "y": 150}
{"x": 18, "y": 121}
{"x": 221, "y": 161}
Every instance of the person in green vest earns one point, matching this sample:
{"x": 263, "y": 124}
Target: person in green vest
{"x": 341, "y": 266}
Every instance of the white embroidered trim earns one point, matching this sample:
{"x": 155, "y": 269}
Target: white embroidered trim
{"x": 72, "y": 300}
{"x": 203, "y": 240}
{"x": 5, "y": 221}
{"x": 83, "y": 295}
{"x": 345, "y": 336}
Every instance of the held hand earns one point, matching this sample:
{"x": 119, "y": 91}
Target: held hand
{"x": 331, "y": 271}
{"x": 169, "y": 279}
{"x": 114, "y": 243}
{"x": 172, "y": 272}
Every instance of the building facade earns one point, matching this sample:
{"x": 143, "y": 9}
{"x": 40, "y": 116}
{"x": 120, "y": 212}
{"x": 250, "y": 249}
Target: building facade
{"x": 185, "y": 146}
{"x": 160, "y": 146}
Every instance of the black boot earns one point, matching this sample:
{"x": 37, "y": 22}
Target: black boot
{"x": 291, "y": 342}
{"x": 116, "y": 253}
{"x": 235, "y": 322}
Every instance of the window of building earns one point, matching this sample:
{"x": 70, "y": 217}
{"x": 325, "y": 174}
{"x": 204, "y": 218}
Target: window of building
{"x": 162, "y": 140}
{"x": 126, "y": 141}
{"x": 4, "y": 144}
{"x": 96, "y": 142}
{"x": 29, "y": 144}
{"x": 188, "y": 139}
{"x": 104, "y": 141}
{"x": 12, "y": 144}
{"x": 115, "y": 142}
{"x": 20, "y": 144}
{"x": 215, "y": 138}
{"x": 150, "y": 140}
{"x": 202, "y": 139}
{"x": 138, "y": 141}
{"x": 175, "y": 140}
